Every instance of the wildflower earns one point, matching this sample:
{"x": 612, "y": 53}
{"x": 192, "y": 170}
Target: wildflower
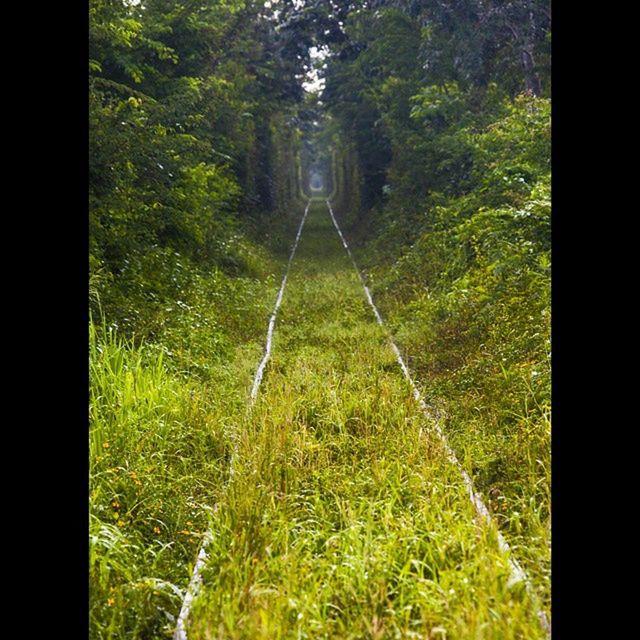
{"x": 115, "y": 504}
{"x": 105, "y": 445}
{"x": 111, "y": 602}
{"x": 184, "y": 532}
{"x": 121, "y": 523}
{"x": 156, "y": 529}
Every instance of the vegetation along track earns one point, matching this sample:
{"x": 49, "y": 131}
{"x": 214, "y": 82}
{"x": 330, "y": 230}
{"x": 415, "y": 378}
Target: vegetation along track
{"x": 345, "y": 516}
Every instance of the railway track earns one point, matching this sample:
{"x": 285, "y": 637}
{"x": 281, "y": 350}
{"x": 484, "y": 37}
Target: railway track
{"x": 481, "y": 513}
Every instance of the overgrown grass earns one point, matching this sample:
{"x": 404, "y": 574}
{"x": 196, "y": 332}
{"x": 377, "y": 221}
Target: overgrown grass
{"x": 344, "y": 518}
{"x": 163, "y": 409}
{"x": 464, "y": 284}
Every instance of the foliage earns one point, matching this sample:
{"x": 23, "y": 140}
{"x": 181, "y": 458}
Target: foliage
{"x": 454, "y": 228}
{"x": 436, "y": 120}
{"x": 345, "y": 516}
{"x": 465, "y": 282}
{"x": 181, "y": 103}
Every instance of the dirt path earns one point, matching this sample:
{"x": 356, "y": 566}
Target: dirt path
{"x": 345, "y": 518}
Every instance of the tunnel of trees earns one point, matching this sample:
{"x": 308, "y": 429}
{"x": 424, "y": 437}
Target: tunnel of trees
{"x": 211, "y": 122}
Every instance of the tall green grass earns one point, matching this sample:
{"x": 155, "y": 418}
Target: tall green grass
{"x": 479, "y": 348}
{"x": 163, "y": 408}
{"x": 157, "y": 451}
{"x": 463, "y": 280}
{"x": 344, "y": 518}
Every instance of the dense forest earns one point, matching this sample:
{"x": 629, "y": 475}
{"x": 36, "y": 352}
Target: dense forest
{"x": 214, "y": 125}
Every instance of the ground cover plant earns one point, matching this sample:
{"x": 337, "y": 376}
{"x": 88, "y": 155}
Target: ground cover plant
{"x": 344, "y": 517}
{"x": 428, "y": 126}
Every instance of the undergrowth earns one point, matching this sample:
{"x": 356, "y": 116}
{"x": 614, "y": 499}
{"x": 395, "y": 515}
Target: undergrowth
{"x": 166, "y": 390}
{"x": 465, "y": 287}
{"x": 345, "y": 519}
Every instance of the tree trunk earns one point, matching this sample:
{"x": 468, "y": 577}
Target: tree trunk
{"x": 526, "y": 55}
{"x": 530, "y": 76}
{"x": 523, "y": 40}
